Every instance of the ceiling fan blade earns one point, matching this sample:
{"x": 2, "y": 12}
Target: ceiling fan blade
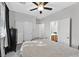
{"x": 33, "y": 9}
{"x": 35, "y": 3}
{"x": 40, "y": 12}
{"x": 45, "y": 3}
{"x": 47, "y": 8}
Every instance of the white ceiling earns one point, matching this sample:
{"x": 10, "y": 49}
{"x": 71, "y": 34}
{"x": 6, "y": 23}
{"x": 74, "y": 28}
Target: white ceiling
{"x": 25, "y": 7}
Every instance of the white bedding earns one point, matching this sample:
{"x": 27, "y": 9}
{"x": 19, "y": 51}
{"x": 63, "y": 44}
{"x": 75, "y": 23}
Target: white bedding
{"x": 45, "y": 48}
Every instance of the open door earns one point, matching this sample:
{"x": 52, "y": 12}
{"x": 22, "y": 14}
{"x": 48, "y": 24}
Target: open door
{"x": 54, "y": 31}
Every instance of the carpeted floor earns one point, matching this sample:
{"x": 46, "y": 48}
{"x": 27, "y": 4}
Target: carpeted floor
{"x": 14, "y": 54}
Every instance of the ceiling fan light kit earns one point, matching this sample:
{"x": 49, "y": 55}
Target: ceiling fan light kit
{"x": 41, "y": 6}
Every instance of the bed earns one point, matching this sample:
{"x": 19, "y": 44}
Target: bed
{"x": 46, "y": 48}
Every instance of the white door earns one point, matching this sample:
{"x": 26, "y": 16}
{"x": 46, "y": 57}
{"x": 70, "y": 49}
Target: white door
{"x": 41, "y": 30}
{"x": 64, "y": 31}
{"x": 28, "y": 30}
{"x": 19, "y": 26}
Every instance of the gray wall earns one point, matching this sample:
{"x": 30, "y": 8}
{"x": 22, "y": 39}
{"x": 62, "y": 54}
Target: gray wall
{"x": 19, "y": 20}
{"x": 20, "y": 17}
{"x": 73, "y": 12}
{"x": 0, "y": 18}
{"x": 0, "y": 10}
{"x": 16, "y": 16}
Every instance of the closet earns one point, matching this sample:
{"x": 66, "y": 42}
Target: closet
{"x": 24, "y": 31}
{"x": 27, "y": 31}
{"x": 64, "y": 31}
{"x": 19, "y": 27}
{"x": 40, "y": 30}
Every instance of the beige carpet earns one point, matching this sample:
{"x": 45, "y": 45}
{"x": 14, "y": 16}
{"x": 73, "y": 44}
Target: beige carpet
{"x": 47, "y": 49}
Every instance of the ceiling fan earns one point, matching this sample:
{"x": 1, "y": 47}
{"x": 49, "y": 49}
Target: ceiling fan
{"x": 41, "y": 6}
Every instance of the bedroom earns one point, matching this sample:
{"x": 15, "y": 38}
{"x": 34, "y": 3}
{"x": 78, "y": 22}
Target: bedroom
{"x": 34, "y": 30}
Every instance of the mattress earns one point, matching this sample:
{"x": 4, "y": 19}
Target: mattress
{"x": 45, "y": 48}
